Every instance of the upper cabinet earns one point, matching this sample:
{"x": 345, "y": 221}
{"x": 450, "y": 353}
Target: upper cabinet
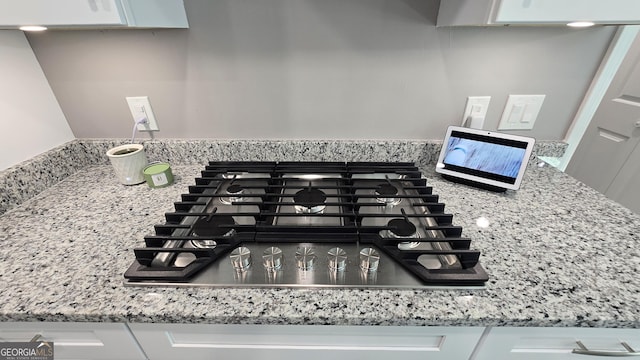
{"x": 537, "y": 12}
{"x": 93, "y": 13}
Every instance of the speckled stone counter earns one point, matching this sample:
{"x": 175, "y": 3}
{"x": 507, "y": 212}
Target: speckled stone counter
{"x": 28, "y": 179}
{"x": 557, "y": 253}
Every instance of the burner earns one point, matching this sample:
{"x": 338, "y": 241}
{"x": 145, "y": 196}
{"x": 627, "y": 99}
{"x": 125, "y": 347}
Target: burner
{"x": 310, "y": 200}
{"x": 230, "y": 175}
{"x": 403, "y": 229}
{"x": 235, "y": 191}
{"x": 212, "y": 227}
{"x": 384, "y": 190}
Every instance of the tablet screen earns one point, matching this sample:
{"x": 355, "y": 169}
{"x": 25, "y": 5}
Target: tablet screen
{"x": 485, "y": 156}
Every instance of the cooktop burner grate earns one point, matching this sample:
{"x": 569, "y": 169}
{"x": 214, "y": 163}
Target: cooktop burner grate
{"x": 354, "y": 224}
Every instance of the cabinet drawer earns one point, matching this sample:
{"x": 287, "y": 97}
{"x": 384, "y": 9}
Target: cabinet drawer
{"x": 267, "y": 342}
{"x": 555, "y": 343}
{"x": 78, "y": 340}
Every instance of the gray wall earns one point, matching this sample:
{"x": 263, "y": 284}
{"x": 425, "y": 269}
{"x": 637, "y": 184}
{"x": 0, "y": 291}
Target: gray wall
{"x": 31, "y": 120}
{"x": 315, "y": 69}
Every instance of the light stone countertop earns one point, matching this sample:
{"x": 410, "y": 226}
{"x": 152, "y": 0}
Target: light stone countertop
{"x": 557, "y": 252}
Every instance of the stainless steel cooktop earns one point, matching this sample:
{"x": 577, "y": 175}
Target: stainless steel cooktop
{"x": 290, "y": 224}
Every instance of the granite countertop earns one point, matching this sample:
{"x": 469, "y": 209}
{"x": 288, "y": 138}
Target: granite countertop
{"x": 557, "y": 252}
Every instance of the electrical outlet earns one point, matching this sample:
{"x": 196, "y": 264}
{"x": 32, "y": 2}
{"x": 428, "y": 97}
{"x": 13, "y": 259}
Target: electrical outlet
{"x": 140, "y": 109}
{"x": 521, "y": 112}
{"x": 475, "y": 111}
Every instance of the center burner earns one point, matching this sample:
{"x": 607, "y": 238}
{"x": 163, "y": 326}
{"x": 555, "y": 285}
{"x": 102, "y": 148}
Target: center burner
{"x": 308, "y": 224}
{"x": 312, "y": 203}
{"x": 310, "y": 200}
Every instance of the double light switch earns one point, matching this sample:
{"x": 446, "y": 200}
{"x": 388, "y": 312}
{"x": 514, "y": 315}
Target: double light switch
{"x": 521, "y": 112}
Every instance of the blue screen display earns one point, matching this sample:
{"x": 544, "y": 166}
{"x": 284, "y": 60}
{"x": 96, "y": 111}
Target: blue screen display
{"x": 498, "y": 159}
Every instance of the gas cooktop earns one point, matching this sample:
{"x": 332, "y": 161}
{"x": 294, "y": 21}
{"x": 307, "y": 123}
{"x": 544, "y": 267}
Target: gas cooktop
{"x": 308, "y": 224}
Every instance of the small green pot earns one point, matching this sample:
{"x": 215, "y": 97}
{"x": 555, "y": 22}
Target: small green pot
{"x": 158, "y": 175}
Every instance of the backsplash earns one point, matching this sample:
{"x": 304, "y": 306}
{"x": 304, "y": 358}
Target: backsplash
{"x": 29, "y": 178}
{"x": 313, "y": 69}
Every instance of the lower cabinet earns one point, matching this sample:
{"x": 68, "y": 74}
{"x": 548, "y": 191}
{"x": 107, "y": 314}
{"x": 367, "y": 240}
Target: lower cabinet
{"x": 508, "y": 343}
{"x": 283, "y": 342}
{"x": 311, "y": 342}
{"x": 77, "y": 340}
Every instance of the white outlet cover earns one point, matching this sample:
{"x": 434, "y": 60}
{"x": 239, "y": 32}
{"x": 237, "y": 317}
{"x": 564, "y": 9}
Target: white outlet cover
{"x": 140, "y": 107}
{"x": 476, "y": 108}
{"x": 521, "y": 112}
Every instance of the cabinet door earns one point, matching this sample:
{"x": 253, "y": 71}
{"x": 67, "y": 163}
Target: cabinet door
{"x": 562, "y": 12}
{"x": 78, "y": 340}
{"x": 266, "y": 342}
{"x": 61, "y": 12}
{"x": 532, "y": 12}
{"x": 555, "y": 343}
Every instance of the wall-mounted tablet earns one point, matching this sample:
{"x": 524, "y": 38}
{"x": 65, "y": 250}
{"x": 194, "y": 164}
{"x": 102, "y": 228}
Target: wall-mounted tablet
{"x": 484, "y": 158}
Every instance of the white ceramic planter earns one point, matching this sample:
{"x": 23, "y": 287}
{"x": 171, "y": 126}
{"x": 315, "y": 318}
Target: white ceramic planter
{"x": 128, "y": 161}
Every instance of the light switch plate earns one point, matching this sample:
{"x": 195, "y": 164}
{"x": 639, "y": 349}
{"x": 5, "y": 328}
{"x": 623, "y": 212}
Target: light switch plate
{"x": 141, "y": 108}
{"x": 521, "y": 112}
{"x": 476, "y": 109}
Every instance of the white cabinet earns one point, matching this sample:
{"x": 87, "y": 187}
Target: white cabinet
{"x": 317, "y": 342}
{"x": 93, "y": 13}
{"x": 536, "y": 12}
{"x": 78, "y": 340}
{"x": 283, "y": 342}
{"x": 508, "y": 343}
